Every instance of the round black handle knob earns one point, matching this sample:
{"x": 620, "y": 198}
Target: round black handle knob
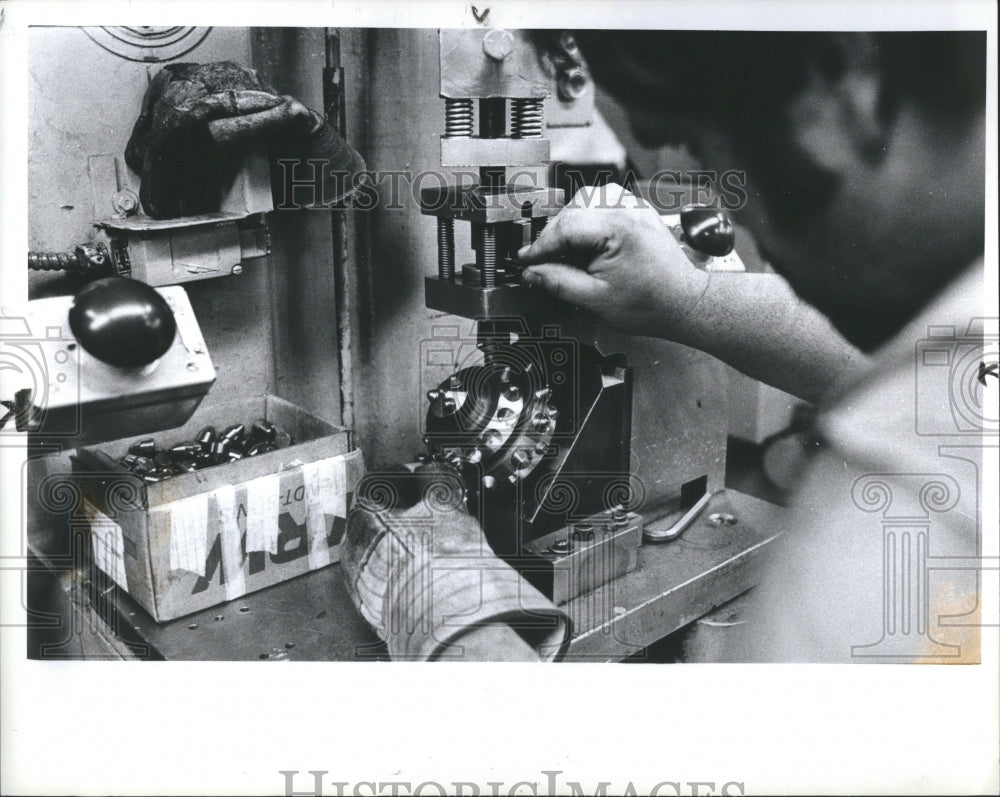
{"x": 122, "y": 322}
{"x": 707, "y": 229}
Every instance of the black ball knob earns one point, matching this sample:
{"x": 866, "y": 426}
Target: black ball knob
{"x": 708, "y": 230}
{"x": 122, "y": 322}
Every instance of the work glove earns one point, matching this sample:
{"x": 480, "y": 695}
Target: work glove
{"x": 195, "y": 123}
{"x": 421, "y": 573}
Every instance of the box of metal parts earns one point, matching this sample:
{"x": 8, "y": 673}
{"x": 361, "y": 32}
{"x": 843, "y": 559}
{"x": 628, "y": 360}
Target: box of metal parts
{"x": 245, "y": 495}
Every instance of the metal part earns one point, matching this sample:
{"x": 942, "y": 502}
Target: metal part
{"x": 498, "y": 44}
{"x": 573, "y": 83}
{"x": 579, "y": 558}
{"x": 446, "y": 248}
{"x": 125, "y": 202}
{"x": 458, "y": 118}
{"x": 468, "y": 70}
{"x": 678, "y": 528}
{"x": 91, "y": 260}
{"x": 527, "y": 118}
{"x": 486, "y": 255}
{"x": 496, "y": 152}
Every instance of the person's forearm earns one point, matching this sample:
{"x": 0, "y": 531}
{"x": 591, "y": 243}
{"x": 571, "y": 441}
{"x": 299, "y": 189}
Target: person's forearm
{"x": 756, "y": 323}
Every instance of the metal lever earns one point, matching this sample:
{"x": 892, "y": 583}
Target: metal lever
{"x": 675, "y": 531}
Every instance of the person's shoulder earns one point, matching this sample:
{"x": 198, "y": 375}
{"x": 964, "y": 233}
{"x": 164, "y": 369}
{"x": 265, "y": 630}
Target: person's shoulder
{"x": 923, "y": 385}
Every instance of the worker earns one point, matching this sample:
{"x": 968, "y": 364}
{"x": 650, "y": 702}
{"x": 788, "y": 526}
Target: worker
{"x": 864, "y": 157}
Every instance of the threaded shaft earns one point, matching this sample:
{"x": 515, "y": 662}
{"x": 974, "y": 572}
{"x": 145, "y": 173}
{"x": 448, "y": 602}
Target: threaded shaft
{"x": 446, "y": 248}
{"x": 52, "y": 261}
{"x": 527, "y": 118}
{"x": 486, "y": 255}
{"x": 457, "y": 118}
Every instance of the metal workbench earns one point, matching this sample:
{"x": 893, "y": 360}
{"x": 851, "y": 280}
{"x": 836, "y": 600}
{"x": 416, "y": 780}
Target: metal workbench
{"x": 311, "y": 618}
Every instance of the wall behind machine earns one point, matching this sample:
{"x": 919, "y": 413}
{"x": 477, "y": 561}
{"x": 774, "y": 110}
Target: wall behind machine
{"x": 269, "y": 330}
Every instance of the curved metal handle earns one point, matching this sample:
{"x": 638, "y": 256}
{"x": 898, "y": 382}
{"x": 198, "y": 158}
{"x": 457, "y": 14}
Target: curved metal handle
{"x": 675, "y": 531}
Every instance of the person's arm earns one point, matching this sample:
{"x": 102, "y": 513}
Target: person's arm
{"x": 609, "y": 253}
{"x": 756, "y": 323}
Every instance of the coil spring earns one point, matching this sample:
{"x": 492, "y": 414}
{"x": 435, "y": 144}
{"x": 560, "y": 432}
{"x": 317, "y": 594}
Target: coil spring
{"x": 446, "y": 248}
{"x": 487, "y": 256}
{"x": 527, "y": 118}
{"x": 457, "y": 118}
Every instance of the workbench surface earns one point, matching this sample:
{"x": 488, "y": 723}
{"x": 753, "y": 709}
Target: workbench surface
{"x": 311, "y": 617}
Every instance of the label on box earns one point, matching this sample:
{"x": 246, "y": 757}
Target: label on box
{"x": 108, "y": 544}
{"x": 229, "y": 537}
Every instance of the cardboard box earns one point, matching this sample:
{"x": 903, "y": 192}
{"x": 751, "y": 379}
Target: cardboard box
{"x": 203, "y": 538}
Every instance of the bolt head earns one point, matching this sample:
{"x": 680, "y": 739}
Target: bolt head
{"x": 498, "y": 44}
{"x": 237, "y": 269}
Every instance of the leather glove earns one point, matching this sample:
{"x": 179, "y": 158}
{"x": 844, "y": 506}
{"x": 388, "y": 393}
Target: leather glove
{"x": 195, "y": 117}
{"x": 421, "y": 573}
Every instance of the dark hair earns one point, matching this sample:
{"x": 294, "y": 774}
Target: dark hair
{"x": 743, "y": 81}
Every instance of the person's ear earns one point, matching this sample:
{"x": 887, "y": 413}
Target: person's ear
{"x": 842, "y": 118}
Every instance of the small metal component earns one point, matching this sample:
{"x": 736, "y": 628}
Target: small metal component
{"x": 486, "y": 255}
{"x": 263, "y": 429}
{"x": 236, "y": 270}
{"x": 219, "y": 452}
{"x": 143, "y": 465}
{"x": 541, "y": 423}
{"x": 433, "y": 395}
{"x": 283, "y": 440}
{"x": 125, "y": 202}
{"x": 583, "y": 532}
{"x": 537, "y": 225}
{"x": 489, "y": 482}
{"x": 572, "y": 84}
{"x": 206, "y": 437}
{"x": 722, "y": 519}
{"x": 527, "y": 118}
{"x": 498, "y": 44}
{"x": 446, "y": 248}
{"x": 458, "y": 118}
{"x": 560, "y": 547}
{"x": 91, "y": 260}
{"x": 512, "y": 392}
{"x": 553, "y": 412}
{"x": 232, "y": 433}
{"x": 188, "y": 449}
{"x": 144, "y": 448}
{"x": 541, "y": 447}
{"x": 474, "y": 457}
{"x": 521, "y": 459}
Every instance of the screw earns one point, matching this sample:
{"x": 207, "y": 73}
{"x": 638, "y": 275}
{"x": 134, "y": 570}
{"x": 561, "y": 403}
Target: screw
{"x": 722, "y": 519}
{"x": 237, "y": 270}
{"x": 559, "y": 547}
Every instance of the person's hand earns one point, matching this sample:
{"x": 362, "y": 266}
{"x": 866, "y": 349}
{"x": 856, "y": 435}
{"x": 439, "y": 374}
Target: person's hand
{"x": 608, "y": 252}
